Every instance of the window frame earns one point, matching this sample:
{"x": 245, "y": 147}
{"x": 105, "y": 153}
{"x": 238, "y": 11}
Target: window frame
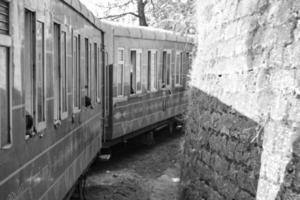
{"x": 180, "y": 54}
{"x": 154, "y": 64}
{"x": 56, "y": 107}
{"x": 99, "y": 73}
{"x": 87, "y": 66}
{"x": 30, "y": 91}
{"x": 138, "y": 52}
{"x": 6, "y": 42}
{"x": 63, "y": 29}
{"x": 90, "y": 69}
{"x": 40, "y": 126}
{"x": 76, "y": 68}
{"x": 120, "y": 62}
{"x": 95, "y": 47}
{"x": 168, "y": 52}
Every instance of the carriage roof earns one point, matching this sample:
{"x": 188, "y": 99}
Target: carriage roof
{"x": 128, "y": 30}
{"x": 144, "y": 32}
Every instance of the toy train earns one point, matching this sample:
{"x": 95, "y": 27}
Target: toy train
{"x": 71, "y": 85}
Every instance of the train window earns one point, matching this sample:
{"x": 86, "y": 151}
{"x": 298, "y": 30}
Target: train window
{"x": 86, "y": 80}
{"x": 138, "y": 71}
{"x": 4, "y": 16}
{"x": 29, "y": 61}
{"x": 149, "y": 71}
{"x": 135, "y": 71}
{"x": 40, "y": 76}
{"x": 35, "y": 98}
{"x": 99, "y": 68}
{"x": 76, "y": 73}
{"x": 178, "y": 69}
{"x": 163, "y": 70}
{"x": 57, "y": 72}
{"x": 63, "y": 76}
{"x": 90, "y": 87}
{"x": 166, "y": 68}
{"x": 96, "y": 71}
{"x": 120, "y": 72}
{"x": 5, "y": 138}
{"x": 155, "y": 70}
{"x": 132, "y": 72}
{"x": 152, "y": 70}
{"x": 5, "y": 100}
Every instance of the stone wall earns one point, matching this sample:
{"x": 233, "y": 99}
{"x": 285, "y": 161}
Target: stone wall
{"x": 243, "y": 124}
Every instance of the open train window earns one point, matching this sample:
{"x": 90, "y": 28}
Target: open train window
{"x": 63, "y": 75}
{"x": 166, "y": 69}
{"x": 120, "y": 72}
{"x": 29, "y": 61}
{"x": 99, "y": 73}
{"x": 152, "y": 70}
{"x": 57, "y": 58}
{"x": 76, "y": 73}
{"x": 40, "y": 77}
{"x": 178, "y": 68}
{"x": 90, "y": 87}
{"x": 149, "y": 71}
{"x": 35, "y": 97}
{"x": 86, "y": 72}
{"x": 135, "y": 71}
{"x": 96, "y": 70}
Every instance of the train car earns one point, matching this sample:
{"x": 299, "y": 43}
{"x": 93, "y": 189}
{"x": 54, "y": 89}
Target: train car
{"x": 146, "y": 80}
{"x": 51, "y": 61}
{"x": 64, "y": 95}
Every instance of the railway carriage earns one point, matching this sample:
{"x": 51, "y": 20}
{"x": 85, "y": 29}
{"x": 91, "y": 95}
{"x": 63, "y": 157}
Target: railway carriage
{"x": 148, "y": 79}
{"x": 71, "y": 84}
{"x": 51, "y": 106}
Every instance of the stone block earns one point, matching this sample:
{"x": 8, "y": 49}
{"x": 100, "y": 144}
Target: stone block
{"x": 251, "y": 183}
{"x": 213, "y": 195}
{"x": 242, "y": 177}
{"x": 243, "y": 195}
{"x": 233, "y": 171}
{"x": 231, "y": 146}
{"x": 229, "y": 190}
{"x": 221, "y": 165}
{"x": 239, "y": 152}
{"x": 203, "y": 172}
{"x": 206, "y": 157}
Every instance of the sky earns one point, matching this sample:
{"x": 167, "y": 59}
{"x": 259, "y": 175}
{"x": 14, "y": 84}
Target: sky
{"x": 98, "y": 12}
{"x": 91, "y": 5}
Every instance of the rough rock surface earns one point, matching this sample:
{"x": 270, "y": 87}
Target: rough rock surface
{"x": 244, "y": 122}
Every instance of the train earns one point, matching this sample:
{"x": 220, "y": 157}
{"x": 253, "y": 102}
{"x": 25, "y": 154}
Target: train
{"x": 72, "y": 84}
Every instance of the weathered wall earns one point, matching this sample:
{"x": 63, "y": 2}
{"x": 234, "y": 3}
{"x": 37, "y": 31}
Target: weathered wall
{"x": 243, "y": 123}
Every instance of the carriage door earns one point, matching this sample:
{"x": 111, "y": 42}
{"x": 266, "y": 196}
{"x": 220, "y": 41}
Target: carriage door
{"x": 108, "y": 88}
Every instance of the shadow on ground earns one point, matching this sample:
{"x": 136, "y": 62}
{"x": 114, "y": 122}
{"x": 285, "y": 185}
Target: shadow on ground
{"x": 137, "y": 172}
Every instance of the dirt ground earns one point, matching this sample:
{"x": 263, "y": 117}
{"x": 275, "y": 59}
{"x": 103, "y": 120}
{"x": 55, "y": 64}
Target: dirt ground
{"x": 138, "y": 172}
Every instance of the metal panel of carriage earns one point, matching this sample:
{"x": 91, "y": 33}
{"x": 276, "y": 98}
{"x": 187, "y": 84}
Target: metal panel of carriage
{"x": 135, "y": 111}
{"x": 49, "y": 140}
{"x": 55, "y": 97}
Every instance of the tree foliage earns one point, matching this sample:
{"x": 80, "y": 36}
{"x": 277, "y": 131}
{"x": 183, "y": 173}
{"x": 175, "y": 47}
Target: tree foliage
{"x": 175, "y": 15}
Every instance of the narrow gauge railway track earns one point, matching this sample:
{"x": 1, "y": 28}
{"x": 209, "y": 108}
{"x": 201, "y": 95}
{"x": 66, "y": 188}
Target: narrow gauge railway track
{"x": 136, "y": 171}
